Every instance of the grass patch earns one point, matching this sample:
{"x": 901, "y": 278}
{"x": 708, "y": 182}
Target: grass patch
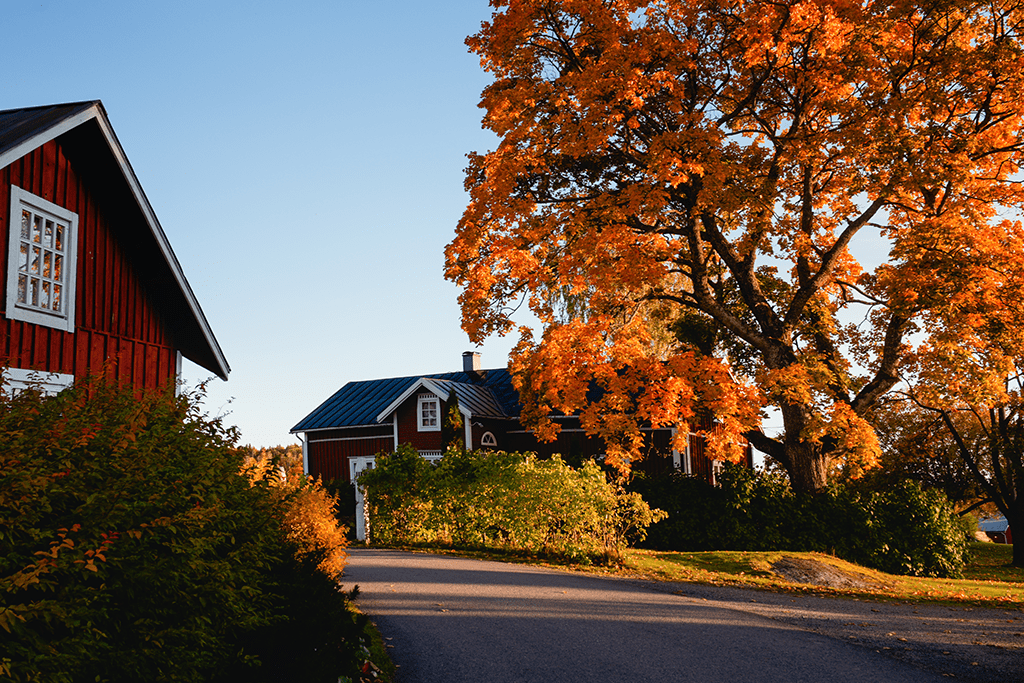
{"x": 379, "y": 656}
{"x": 991, "y": 562}
{"x": 989, "y": 581}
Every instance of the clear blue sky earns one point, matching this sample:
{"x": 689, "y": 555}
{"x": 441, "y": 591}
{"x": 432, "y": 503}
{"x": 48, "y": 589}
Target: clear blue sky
{"x": 305, "y": 160}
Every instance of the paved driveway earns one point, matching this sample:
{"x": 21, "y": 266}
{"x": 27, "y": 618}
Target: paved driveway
{"x": 454, "y": 619}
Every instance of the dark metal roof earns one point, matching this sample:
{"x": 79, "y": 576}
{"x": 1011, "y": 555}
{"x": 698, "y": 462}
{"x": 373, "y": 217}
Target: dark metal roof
{"x": 359, "y": 403}
{"x": 86, "y": 134}
{"x": 480, "y": 401}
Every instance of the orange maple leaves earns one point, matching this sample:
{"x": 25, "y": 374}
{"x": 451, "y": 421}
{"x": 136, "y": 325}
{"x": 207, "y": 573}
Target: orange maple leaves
{"x": 724, "y": 158}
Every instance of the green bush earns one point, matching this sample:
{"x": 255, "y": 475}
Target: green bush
{"x": 132, "y": 548}
{"x": 902, "y": 530}
{"x": 501, "y": 500}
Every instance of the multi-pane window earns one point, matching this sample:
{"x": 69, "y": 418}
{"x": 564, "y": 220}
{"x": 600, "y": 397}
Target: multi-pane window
{"x": 41, "y": 267}
{"x": 428, "y": 408}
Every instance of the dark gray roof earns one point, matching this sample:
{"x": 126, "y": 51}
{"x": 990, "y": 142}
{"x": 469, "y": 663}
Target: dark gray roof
{"x": 20, "y": 125}
{"x": 359, "y": 403}
{"x": 479, "y": 400}
{"x": 87, "y": 136}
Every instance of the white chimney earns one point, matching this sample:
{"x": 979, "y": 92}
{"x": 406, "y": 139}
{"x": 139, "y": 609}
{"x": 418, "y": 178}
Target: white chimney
{"x": 471, "y": 361}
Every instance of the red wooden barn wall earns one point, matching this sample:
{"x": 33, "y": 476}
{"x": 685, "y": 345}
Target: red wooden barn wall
{"x": 115, "y": 322}
{"x": 329, "y": 451}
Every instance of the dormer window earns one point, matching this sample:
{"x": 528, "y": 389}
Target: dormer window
{"x": 429, "y": 411}
{"x": 41, "y": 261}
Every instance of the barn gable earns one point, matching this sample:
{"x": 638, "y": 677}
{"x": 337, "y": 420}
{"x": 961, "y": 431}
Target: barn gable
{"x": 90, "y": 279}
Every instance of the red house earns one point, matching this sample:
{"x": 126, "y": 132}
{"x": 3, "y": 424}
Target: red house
{"x": 341, "y": 436}
{"x": 91, "y": 282}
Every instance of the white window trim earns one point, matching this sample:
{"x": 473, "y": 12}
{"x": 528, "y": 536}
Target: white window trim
{"x": 420, "y": 401}
{"x": 487, "y": 440}
{"x": 62, "y": 321}
{"x": 15, "y": 380}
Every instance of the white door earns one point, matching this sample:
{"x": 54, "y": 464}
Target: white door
{"x": 355, "y": 466}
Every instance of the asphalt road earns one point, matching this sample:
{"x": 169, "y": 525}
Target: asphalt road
{"x": 454, "y": 619}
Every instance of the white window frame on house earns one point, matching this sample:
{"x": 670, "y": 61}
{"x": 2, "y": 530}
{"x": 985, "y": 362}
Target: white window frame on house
{"x": 487, "y": 440}
{"x": 42, "y": 258}
{"x": 16, "y": 380}
{"x": 423, "y": 422}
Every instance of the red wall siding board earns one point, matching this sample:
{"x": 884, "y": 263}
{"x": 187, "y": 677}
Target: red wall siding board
{"x": 98, "y": 353}
{"x": 27, "y": 342}
{"x": 36, "y": 349}
{"x": 85, "y": 315}
{"x": 68, "y": 353}
{"x": 114, "y": 292}
{"x": 48, "y": 179}
{"x": 56, "y": 351}
{"x": 131, "y": 305}
{"x": 139, "y": 362}
{"x": 152, "y": 364}
{"x": 125, "y": 366}
{"x": 81, "y": 352}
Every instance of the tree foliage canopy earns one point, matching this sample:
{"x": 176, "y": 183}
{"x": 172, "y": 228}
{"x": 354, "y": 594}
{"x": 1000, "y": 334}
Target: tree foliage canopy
{"x": 729, "y": 160}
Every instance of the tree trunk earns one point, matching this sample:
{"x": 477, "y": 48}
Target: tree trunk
{"x": 808, "y": 467}
{"x": 1016, "y": 522}
{"x": 805, "y": 462}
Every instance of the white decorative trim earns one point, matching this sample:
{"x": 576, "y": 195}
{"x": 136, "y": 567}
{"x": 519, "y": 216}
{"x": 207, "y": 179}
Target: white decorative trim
{"x": 179, "y": 385}
{"x": 63, "y": 226}
{"x": 421, "y": 383}
{"x": 487, "y": 440}
{"x": 350, "y": 438}
{"x": 334, "y": 429}
{"x": 15, "y": 380}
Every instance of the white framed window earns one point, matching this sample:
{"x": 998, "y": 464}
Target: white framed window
{"x": 42, "y": 248}
{"x": 16, "y": 380}
{"x": 428, "y": 411}
{"x": 487, "y": 440}
{"x": 716, "y": 471}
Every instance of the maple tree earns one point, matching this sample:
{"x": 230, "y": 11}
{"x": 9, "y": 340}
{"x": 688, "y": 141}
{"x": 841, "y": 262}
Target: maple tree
{"x": 725, "y": 159}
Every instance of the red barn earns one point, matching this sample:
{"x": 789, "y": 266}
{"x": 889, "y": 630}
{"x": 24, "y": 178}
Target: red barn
{"x": 91, "y": 282}
{"x": 341, "y": 436}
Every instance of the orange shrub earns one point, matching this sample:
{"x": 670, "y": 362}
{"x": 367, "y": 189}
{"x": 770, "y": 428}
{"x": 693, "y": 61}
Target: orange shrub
{"x": 310, "y": 520}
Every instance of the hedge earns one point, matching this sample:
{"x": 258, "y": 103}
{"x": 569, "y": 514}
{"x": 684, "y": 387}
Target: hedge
{"x": 901, "y": 530}
{"x": 133, "y": 548}
{"x": 502, "y": 500}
